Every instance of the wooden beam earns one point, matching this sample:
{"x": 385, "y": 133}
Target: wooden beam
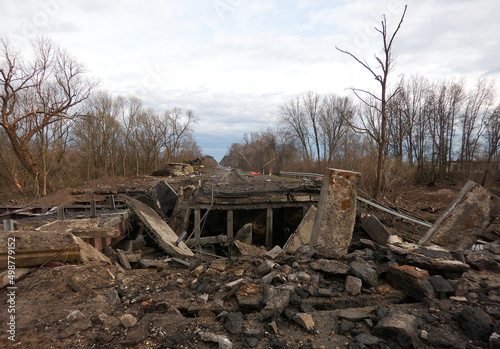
{"x": 269, "y": 228}
{"x": 88, "y": 233}
{"x": 220, "y": 239}
{"x": 28, "y": 258}
{"x": 229, "y": 225}
{"x": 197, "y": 221}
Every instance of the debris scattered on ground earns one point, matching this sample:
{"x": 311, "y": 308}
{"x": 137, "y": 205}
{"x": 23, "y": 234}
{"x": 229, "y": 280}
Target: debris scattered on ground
{"x": 376, "y": 291}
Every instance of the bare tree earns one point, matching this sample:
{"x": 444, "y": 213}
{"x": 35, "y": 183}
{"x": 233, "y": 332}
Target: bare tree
{"x": 492, "y": 142}
{"x": 292, "y": 116}
{"x": 385, "y": 63}
{"x": 177, "y": 125}
{"x": 312, "y": 110}
{"x": 336, "y": 114}
{"x": 36, "y": 94}
{"x": 474, "y": 120}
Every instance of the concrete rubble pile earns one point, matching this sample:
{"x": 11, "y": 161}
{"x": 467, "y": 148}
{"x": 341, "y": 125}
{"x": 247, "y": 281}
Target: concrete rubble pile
{"x": 324, "y": 289}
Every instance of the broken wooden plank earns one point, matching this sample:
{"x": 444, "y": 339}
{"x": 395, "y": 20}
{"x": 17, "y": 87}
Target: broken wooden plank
{"x": 28, "y": 258}
{"x": 93, "y": 233}
{"x": 158, "y": 229}
{"x": 219, "y": 239}
{"x": 123, "y": 259}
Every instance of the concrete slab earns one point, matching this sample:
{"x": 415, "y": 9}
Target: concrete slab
{"x": 377, "y": 231}
{"x": 165, "y": 197}
{"x": 303, "y": 232}
{"x": 336, "y": 215}
{"x": 470, "y": 213}
{"x": 158, "y": 229}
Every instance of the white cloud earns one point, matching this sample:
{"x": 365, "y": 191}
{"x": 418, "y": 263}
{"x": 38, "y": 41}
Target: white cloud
{"x": 235, "y": 61}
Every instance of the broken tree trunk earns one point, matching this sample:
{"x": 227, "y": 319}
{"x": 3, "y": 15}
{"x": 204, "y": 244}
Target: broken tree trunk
{"x": 470, "y": 213}
{"x": 334, "y": 223}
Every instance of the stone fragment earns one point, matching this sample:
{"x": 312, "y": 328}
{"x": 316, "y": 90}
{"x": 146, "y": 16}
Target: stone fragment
{"x": 398, "y": 327}
{"x": 305, "y": 252}
{"x": 245, "y": 234}
{"x": 353, "y": 315}
{"x": 475, "y": 322}
{"x": 377, "y": 231}
{"x": 274, "y": 326}
{"x": 243, "y": 249}
{"x": 233, "y": 284}
{"x": 412, "y": 281}
{"x": 265, "y": 267}
{"x": 249, "y": 297}
{"x": 151, "y": 263}
{"x": 275, "y": 303}
{"x": 225, "y": 343}
{"x": 394, "y": 239}
{"x": 268, "y": 278}
{"x": 493, "y": 247}
{"x": 324, "y": 292}
{"x": 219, "y": 264}
{"x": 234, "y": 322}
{"x": 173, "y": 310}
{"x": 353, "y": 285}
{"x": 128, "y": 320}
{"x": 274, "y": 252}
{"x": 330, "y": 267}
{"x": 346, "y": 326}
{"x": 365, "y": 272}
{"x": 440, "y": 284}
{"x": 75, "y": 315}
{"x": 334, "y": 223}
{"x": 114, "y": 297}
{"x": 483, "y": 261}
{"x": 304, "y": 320}
{"x": 302, "y": 234}
{"x": 367, "y": 339}
{"x": 202, "y": 298}
{"x": 458, "y": 228}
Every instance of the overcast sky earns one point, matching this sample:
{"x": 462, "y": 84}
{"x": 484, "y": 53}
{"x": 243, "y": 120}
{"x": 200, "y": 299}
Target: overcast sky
{"x": 233, "y": 62}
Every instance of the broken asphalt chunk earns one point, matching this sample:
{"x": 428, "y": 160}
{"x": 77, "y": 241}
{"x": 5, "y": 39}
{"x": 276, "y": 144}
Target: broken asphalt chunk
{"x": 413, "y": 281}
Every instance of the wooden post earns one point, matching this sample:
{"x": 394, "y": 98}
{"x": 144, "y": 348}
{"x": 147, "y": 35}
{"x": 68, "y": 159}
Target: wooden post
{"x": 93, "y": 210}
{"x": 229, "y": 225}
{"x": 60, "y": 213}
{"x": 197, "y": 228}
{"x": 269, "y": 228}
{"x": 8, "y": 225}
{"x": 112, "y": 202}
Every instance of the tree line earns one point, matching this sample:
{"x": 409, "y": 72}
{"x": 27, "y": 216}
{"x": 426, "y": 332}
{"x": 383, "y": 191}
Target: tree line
{"x": 434, "y": 130}
{"x": 57, "y": 128}
{"x": 421, "y": 128}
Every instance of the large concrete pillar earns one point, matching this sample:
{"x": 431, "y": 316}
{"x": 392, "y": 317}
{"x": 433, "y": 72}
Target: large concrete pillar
{"x": 334, "y": 223}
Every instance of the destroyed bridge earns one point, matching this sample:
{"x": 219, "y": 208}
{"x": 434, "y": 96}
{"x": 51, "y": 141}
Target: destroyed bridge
{"x": 255, "y": 258}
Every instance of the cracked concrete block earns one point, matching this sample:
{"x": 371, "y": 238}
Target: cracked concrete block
{"x": 336, "y": 214}
{"x": 303, "y": 232}
{"x": 470, "y": 213}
